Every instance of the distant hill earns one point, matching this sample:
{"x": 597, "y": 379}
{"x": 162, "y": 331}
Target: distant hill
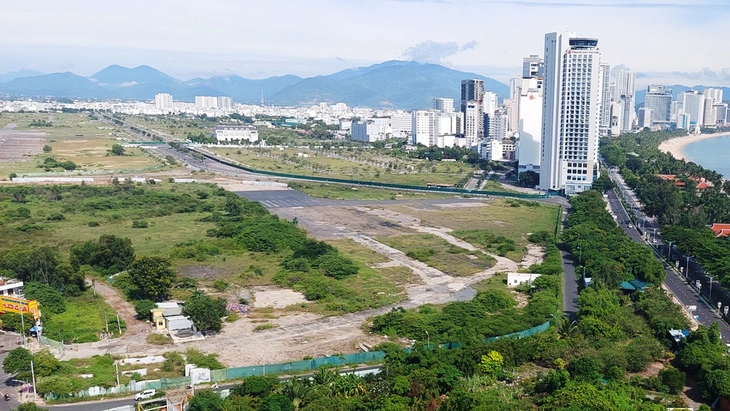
{"x": 57, "y": 84}
{"x": 12, "y": 75}
{"x": 116, "y": 75}
{"x": 676, "y": 89}
{"x": 397, "y": 84}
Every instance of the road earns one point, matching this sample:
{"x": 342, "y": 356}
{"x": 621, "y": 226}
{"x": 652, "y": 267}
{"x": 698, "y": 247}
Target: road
{"x": 676, "y": 284}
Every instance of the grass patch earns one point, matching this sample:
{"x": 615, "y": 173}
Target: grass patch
{"x": 439, "y": 254}
{"x": 508, "y": 218}
{"x": 83, "y": 321}
{"x": 159, "y": 339}
{"x": 263, "y": 327}
{"x": 346, "y": 192}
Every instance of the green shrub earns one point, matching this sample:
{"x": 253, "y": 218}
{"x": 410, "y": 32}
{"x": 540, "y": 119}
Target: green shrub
{"x": 220, "y": 285}
{"x": 140, "y": 224}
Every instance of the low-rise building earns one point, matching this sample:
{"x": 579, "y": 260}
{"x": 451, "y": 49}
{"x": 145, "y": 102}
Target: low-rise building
{"x": 240, "y": 133}
{"x": 168, "y": 316}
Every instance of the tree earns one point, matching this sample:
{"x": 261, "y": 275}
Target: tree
{"x": 491, "y": 364}
{"x": 673, "y": 379}
{"x": 205, "y": 400}
{"x": 110, "y": 254}
{"x": 152, "y": 277}
{"x": 47, "y": 148}
{"x": 256, "y": 386}
{"x": 205, "y": 312}
{"x": 18, "y": 362}
{"x": 143, "y": 308}
{"x": 528, "y": 179}
{"x": 336, "y": 266}
{"x": 276, "y": 402}
{"x": 117, "y": 150}
{"x": 49, "y": 297}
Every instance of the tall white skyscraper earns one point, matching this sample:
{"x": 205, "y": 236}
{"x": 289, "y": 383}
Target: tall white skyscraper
{"x": 203, "y": 102}
{"x": 571, "y": 110}
{"x": 692, "y": 103}
{"x": 625, "y": 90}
{"x": 224, "y": 102}
{"x": 604, "y": 124}
{"x": 163, "y": 101}
{"x": 473, "y": 123}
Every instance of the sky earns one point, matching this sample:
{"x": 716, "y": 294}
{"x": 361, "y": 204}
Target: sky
{"x": 666, "y": 41}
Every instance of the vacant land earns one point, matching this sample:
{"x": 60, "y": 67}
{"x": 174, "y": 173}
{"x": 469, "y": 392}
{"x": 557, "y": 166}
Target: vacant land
{"x": 492, "y": 224}
{"x": 440, "y": 254}
{"x": 71, "y": 137}
{"x": 349, "y": 163}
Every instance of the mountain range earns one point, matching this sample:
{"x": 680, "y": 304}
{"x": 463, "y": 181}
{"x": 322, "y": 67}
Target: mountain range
{"x": 394, "y": 84}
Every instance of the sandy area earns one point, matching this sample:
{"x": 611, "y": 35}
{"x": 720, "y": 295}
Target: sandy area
{"x": 676, "y": 145}
{"x": 277, "y": 297}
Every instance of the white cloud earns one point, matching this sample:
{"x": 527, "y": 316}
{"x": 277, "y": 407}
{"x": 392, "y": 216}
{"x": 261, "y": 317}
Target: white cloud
{"x": 435, "y": 52}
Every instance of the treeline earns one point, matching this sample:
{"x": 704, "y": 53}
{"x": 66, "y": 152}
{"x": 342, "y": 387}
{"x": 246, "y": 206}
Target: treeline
{"x": 683, "y": 211}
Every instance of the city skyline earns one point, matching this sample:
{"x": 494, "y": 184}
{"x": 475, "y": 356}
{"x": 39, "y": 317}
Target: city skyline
{"x": 324, "y": 36}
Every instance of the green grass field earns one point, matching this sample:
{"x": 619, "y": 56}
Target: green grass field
{"x": 354, "y": 164}
{"x": 439, "y": 254}
{"x": 347, "y": 192}
{"x": 83, "y": 320}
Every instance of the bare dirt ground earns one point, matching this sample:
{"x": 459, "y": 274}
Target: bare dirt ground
{"x": 20, "y": 145}
{"x": 277, "y": 297}
{"x": 535, "y": 255}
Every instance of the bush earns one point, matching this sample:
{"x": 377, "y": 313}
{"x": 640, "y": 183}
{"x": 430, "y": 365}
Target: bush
{"x": 140, "y": 224}
{"x": 210, "y": 361}
{"x": 93, "y": 224}
{"x": 336, "y": 266}
{"x": 673, "y": 379}
{"x": 220, "y": 285}
{"x": 48, "y": 297}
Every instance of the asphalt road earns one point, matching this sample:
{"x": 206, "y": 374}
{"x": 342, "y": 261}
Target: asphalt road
{"x": 676, "y": 284}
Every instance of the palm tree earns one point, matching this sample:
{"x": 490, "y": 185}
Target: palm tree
{"x": 566, "y": 328}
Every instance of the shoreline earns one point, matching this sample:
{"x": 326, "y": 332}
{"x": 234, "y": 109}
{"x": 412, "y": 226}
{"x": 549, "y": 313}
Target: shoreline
{"x": 675, "y": 146}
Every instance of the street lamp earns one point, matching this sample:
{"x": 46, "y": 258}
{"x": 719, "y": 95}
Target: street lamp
{"x": 580, "y": 255}
{"x": 686, "y": 268}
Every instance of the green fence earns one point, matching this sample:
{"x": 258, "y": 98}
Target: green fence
{"x": 304, "y": 365}
{"x": 372, "y": 183}
{"x": 51, "y": 343}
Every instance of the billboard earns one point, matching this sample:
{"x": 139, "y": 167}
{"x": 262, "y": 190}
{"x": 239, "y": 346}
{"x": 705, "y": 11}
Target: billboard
{"x": 9, "y": 304}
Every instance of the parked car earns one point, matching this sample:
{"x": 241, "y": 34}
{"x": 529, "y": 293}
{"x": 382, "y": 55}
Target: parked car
{"x": 145, "y": 395}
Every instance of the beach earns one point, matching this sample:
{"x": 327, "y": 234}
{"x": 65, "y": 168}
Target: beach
{"x": 676, "y": 145}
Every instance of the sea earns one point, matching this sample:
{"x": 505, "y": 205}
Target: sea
{"x": 713, "y": 153}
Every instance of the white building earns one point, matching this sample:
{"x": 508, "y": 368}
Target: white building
{"x": 401, "y": 123}
{"x": 225, "y": 103}
{"x": 369, "y": 130}
{"x": 163, "y": 102}
{"x": 659, "y": 100}
{"x": 230, "y": 132}
{"x": 498, "y": 124}
{"x": 490, "y": 103}
{"x": 205, "y": 102}
{"x": 720, "y": 114}
{"x": 492, "y": 150}
{"x": 529, "y": 130}
{"x": 444, "y": 104}
{"x": 692, "y": 103}
{"x": 571, "y": 110}
{"x": 424, "y": 127}
{"x": 473, "y": 123}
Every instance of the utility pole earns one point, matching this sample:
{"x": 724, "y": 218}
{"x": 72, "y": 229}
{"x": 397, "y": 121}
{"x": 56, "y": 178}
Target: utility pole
{"x": 116, "y": 366}
{"x": 22, "y": 326}
{"x": 686, "y": 269}
{"x": 119, "y": 324}
{"x": 107, "y": 323}
{"x": 32, "y": 373}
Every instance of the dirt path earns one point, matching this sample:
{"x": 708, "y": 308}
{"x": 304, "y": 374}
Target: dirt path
{"x": 126, "y": 311}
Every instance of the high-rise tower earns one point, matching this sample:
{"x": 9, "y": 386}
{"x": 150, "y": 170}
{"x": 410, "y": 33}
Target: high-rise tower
{"x": 571, "y": 109}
